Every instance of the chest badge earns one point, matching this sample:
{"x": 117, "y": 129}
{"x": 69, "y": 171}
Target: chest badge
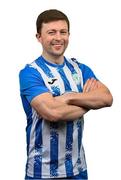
{"x": 76, "y": 78}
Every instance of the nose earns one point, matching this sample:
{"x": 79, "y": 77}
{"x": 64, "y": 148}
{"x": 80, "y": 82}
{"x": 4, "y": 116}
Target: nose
{"x": 58, "y": 35}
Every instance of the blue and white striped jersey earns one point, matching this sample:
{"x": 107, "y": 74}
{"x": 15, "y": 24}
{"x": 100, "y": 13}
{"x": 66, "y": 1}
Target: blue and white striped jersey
{"x": 53, "y": 149}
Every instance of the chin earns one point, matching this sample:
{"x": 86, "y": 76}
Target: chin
{"x": 58, "y": 53}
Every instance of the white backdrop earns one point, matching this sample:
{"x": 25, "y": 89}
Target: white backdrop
{"x": 96, "y": 41}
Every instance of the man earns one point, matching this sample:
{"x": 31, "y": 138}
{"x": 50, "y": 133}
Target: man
{"x": 56, "y": 92}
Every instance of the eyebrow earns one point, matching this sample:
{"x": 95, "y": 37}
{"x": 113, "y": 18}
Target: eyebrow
{"x": 57, "y": 30}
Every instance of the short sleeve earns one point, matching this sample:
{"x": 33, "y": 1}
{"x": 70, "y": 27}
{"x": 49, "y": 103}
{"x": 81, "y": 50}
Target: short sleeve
{"x": 31, "y": 83}
{"x": 87, "y": 72}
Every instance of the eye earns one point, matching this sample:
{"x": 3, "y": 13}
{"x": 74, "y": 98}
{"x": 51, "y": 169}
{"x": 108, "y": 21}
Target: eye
{"x": 51, "y": 32}
{"x": 64, "y": 32}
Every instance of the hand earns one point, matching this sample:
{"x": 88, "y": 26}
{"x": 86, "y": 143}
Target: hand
{"x": 90, "y": 85}
{"x": 65, "y": 97}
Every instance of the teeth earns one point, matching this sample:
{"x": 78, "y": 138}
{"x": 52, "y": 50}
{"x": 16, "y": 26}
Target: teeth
{"x": 57, "y": 44}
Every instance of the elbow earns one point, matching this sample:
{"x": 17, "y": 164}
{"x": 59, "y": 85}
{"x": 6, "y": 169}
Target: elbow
{"x": 109, "y": 101}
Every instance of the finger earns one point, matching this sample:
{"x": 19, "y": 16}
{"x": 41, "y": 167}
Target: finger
{"x": 90, "y": 85}
{"x": 93, "y": 84}
{"x": 85, "y": 86}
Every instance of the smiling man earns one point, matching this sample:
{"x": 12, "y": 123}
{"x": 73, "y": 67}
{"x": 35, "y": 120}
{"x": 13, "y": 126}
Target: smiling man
{"x": 54, "y": 37}
{"x": 56, "y": 92}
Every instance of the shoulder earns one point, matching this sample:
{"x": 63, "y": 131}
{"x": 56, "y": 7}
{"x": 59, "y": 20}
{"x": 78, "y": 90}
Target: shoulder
{"x": 29, "y": 76}
{"x": 81, "y": 65}
{"x": 28, "y": 70}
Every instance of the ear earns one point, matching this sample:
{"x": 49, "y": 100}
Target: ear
{"x": 38, "y": 36}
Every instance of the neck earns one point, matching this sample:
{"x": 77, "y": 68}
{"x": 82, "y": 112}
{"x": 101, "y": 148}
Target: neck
{"x": 54, "y": 59}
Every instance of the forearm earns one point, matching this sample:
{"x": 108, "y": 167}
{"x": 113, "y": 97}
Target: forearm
{"x": 71, "y": 112}
{"x": 95, "y": 95}
{"x": 62, "y": 112}
{"x": 91, "y": 100}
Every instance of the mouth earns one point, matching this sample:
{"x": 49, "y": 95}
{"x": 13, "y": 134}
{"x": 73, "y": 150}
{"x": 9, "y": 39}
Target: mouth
{"x": 58, "y": 43}
{"x": 57, "y": 46}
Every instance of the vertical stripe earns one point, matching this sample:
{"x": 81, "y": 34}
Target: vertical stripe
{"x": 73, "y": 71}
{"x": 38, "y": 149}
{"x": 75, "y": 148}
{"x": 28, "y": 133}
{"x": 80, "y": 129}
{"x": 61, "y": 147}
{"x": 30, "y": 160}
{"x": 53, "y": 127}
{"x": 28, "y": 111}
{"x": 79, "y": 72}
{"x": 75, "y": 76}
{"x": 83, "y": 165}
{"x": 61, "y": 140}
{"x": 65, "y": 79}
{"x": 73, "y": 86}
{"x": 69, "y": 129}
{"x": 54, "y": 150}
{"x": 46, "y": 148}
{"x": 68, "y": 157}
{"x": 44, "y": 67}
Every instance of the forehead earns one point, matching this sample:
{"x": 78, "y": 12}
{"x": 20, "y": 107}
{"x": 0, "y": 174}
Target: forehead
{"x": 57, "y": 25}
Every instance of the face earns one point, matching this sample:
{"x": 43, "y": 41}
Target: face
{"x": 54, "y": 38}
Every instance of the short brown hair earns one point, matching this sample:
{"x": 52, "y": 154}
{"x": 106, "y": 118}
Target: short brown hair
{"x": 49, "y": 16}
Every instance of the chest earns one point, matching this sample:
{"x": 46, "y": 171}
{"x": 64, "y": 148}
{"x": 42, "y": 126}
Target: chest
{"x": 61, "y": 79}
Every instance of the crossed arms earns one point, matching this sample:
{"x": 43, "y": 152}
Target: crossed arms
{"x": 71, "y": 106}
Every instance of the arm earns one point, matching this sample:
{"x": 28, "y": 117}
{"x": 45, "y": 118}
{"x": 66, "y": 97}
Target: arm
{"x": 52, "y": 109}
{"x": 95, "y": 95}
{"x": 34, "y": 89}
